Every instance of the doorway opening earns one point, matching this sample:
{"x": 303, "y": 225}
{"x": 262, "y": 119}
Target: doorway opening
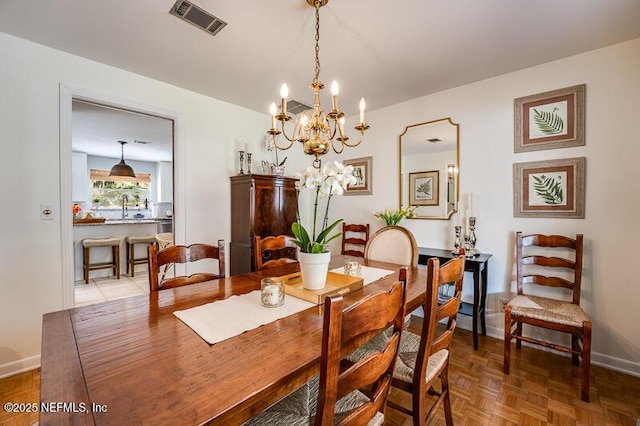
{"x": 91, "y": 125}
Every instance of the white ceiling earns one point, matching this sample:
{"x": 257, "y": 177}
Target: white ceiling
{"x": 97, "y": 129}
{"x": 387, "y": 51}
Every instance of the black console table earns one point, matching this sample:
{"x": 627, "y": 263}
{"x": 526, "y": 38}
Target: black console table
{"x": 478, "y": 265}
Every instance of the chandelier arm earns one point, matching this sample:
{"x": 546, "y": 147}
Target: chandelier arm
{"x": 291, "y": 139}
{"x": 333, "y": 145}
{"x": 357, "y": 143}
{"x": 275, "y": 142}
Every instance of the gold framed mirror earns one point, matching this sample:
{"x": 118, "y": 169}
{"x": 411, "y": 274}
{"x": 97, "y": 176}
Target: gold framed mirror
{"x": 429, "y": 155}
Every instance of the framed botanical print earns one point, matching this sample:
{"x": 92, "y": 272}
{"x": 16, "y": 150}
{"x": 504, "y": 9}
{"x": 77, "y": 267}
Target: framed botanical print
{"x": 553, "y": 188}
{"x": 550, "y": 120}
{"x": 362, "y": 169}
{"x": 423, "y": 188}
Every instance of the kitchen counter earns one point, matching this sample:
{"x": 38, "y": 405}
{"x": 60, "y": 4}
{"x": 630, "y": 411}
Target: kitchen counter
{"x": 127, "y": 221}
{"x": 110, "y": 228}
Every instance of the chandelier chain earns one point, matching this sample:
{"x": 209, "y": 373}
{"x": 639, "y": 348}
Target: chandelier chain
{"x": 317, "y": 76}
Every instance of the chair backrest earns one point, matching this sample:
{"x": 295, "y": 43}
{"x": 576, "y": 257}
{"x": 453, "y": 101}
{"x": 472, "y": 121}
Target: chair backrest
{"x": 274, "y": 251}
{"x": 566, "y": 256}
{"x": 346, "y": 329}
{"x": 433, "y": 338}
{"x": 183, "y": 254}
{"x": 393, "y": 244}
{"x": 354, "y": 236}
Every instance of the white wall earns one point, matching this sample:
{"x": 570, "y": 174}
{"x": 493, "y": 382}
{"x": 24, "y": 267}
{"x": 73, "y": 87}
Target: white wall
{"x": 30, "y": 80}
{"x": 484, "y": 110}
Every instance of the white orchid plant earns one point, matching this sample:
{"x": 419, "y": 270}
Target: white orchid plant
{"x": 333, "y": 179}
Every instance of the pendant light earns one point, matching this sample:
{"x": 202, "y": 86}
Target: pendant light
{"x": 122, "y": 168}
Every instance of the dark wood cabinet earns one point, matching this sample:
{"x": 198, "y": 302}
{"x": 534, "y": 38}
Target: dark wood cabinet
{"x": 260, "y": 205}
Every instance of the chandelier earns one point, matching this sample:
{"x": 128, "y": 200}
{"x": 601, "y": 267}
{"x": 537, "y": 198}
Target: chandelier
{"x": 317, "y": 130}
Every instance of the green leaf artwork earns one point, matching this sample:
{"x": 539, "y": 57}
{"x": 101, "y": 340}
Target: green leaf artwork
{"x": 549, "y": 123}
{"x": 548, "y": 189}
{"x": 424, "y": 188}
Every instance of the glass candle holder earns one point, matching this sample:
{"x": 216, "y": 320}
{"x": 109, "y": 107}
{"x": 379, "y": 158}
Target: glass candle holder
{"x": 353, "y": 268}
{"x": 272, "y": 292}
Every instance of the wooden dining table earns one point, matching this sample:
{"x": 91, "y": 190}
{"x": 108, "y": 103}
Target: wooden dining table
{"x": 132, "y": 361}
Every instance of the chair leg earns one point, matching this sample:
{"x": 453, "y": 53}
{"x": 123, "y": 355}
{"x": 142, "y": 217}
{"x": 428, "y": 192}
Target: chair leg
{"x": 116, "y": 260}
{"x": 586, "y": 361}
{"x": 419, "y": 411}
{"x": 445, "y": 393}
{"x": 132, "y": 260}
{"x": 86, "y": 265}
{"x": 507, "y": 340}
{"x": 519, "y": 333}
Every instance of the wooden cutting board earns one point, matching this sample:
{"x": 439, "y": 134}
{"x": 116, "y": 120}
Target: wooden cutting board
{"x": 336, "y": 284}
{"x": 90, "y": 220}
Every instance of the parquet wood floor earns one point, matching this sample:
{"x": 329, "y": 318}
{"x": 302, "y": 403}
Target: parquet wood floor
{"x": 542, "y": 389}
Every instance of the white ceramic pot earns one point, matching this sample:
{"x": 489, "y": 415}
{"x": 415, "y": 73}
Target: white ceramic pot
{"x": 314, "y": 268}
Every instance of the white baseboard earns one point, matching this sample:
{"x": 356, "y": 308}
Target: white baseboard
{"x": 19, "y": 366}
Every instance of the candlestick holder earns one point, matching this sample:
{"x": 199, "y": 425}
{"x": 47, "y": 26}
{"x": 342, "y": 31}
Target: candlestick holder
{"x": 473, "y": 251}
{"x": 467, "y": 245}
{"x": 456, "y": 243}
{"x": 248, "y": 163}
{"x": 241, "y": 162}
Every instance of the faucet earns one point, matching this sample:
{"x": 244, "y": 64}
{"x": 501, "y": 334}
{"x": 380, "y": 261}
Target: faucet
{"x": 125, "y": 210}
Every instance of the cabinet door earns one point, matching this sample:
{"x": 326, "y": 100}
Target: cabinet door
{"x": 268, "y": 209}
{"x": 288, "y": 207}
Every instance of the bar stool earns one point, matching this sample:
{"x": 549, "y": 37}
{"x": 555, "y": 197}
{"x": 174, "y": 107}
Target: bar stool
{"x": 89, "y": 243}
{"x": 132, "y": 240}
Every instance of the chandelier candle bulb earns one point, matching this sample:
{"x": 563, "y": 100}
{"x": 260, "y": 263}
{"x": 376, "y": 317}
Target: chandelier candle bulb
{"x": 334, "y": 95}
{"x": 363, "y": 105}
{"x": 284, "y": 92}
{"x": 303, "y": 127}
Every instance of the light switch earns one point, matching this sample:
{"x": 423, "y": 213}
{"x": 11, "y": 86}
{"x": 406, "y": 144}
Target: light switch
{"x": 46, "y": 212}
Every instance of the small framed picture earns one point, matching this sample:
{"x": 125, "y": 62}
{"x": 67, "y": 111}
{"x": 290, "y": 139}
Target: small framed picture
{"x": 550, "y": 120}
{"x": 362, "y": 170}
{"x": 423, "y": 188}
{"x": 553, "y": 188}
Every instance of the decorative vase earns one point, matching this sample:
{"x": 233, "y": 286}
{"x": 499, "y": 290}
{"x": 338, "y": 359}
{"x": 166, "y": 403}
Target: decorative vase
{"x": 277, "y": 171}
{"x": 314, "y": 268}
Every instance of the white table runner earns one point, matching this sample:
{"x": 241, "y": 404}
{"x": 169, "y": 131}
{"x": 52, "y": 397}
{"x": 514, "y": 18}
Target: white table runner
{"x": 219, "y": 320}
{"x": 222, "y": 319}
{"x": 368, "y": 273}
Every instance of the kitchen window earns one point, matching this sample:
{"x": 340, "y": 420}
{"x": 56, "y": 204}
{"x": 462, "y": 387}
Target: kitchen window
{"x": 108, "y": 192}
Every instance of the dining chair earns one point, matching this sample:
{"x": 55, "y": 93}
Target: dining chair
{"x": 559, "y": 258}
{"x": 274, "y": 251}
{"x": 184, "y": 254}
{"x": 423, "y": 360}
{"x": 394, "y": 244}
{"x": 354, "y": 239}
{"x": 334, "y": 397}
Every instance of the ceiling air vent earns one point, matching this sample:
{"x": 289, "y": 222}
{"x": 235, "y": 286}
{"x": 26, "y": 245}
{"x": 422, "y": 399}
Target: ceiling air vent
{"x": 295, "y": 107}
{"x": 194, "y": 15}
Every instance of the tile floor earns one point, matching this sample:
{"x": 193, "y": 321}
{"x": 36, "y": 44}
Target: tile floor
{"x": 109, "y": 288}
